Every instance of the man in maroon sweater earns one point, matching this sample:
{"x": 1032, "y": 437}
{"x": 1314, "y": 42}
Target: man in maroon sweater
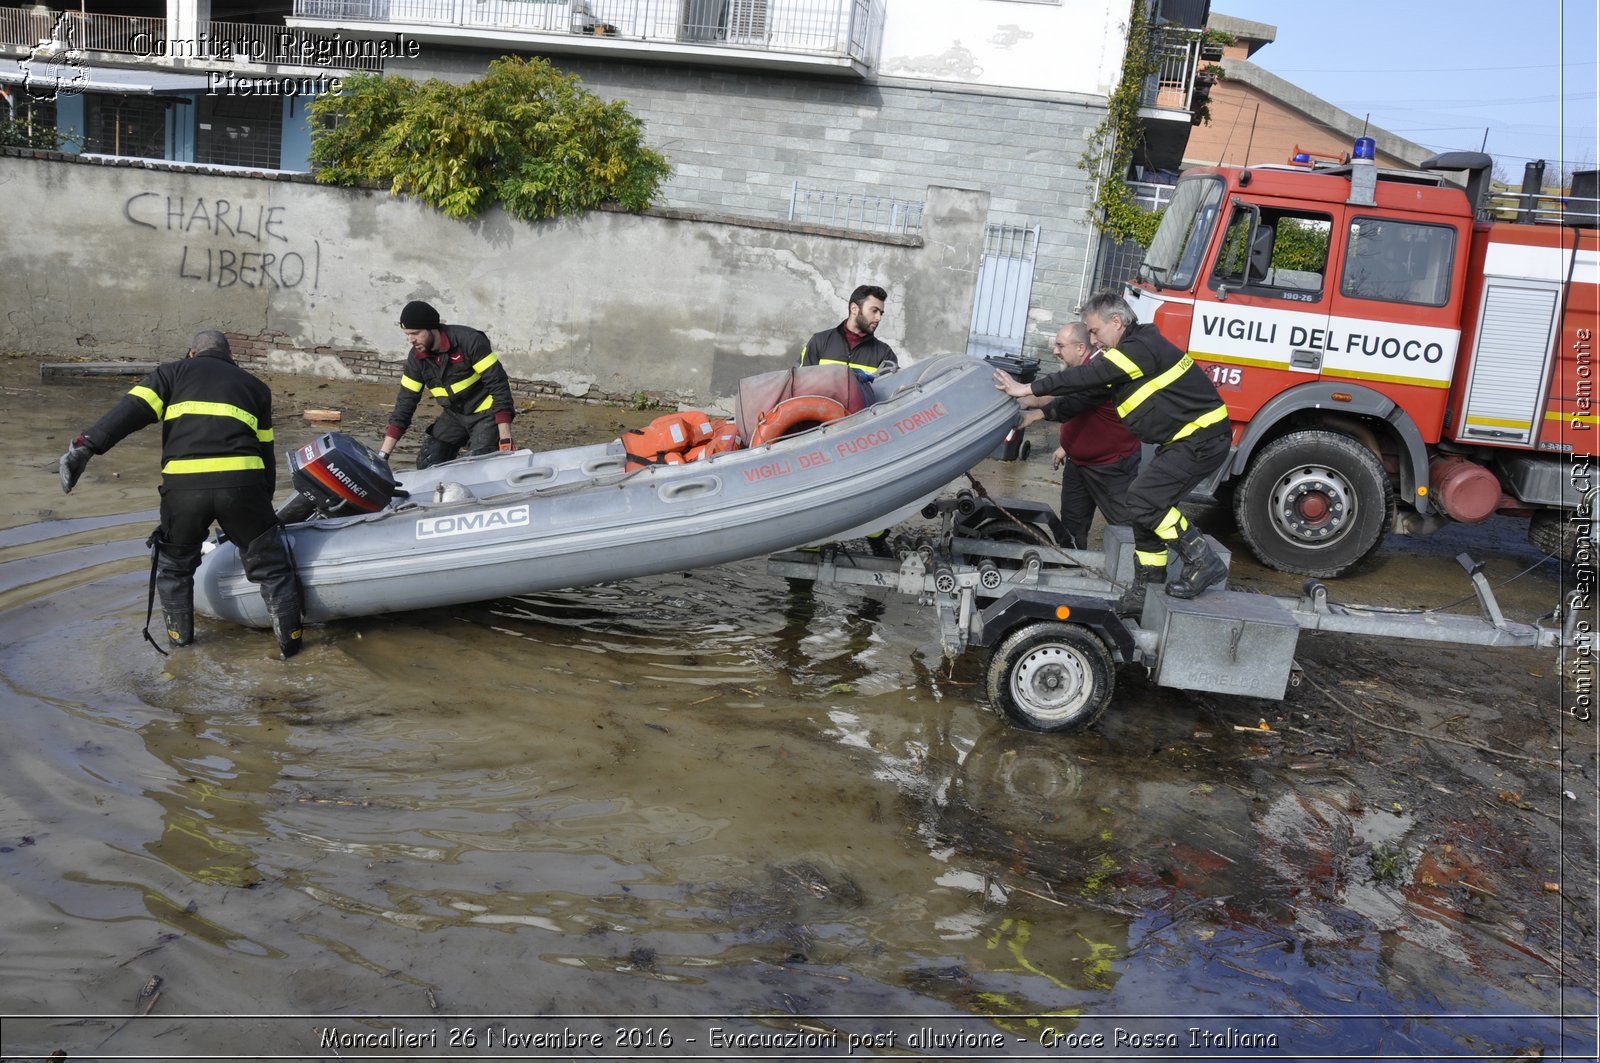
{"x": 1098, "y": 457}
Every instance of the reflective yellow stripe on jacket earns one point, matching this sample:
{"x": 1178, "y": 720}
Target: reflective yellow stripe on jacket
{"x": 1122, "y": 362}
{"x": 853, "y": 365}
{"x": 1150, "y": 387}
{"x": 1205, "y": 420}
{"x": 217, "y": 409}
{"x": 149, "y": 398}
{"x": 459, "y": 386}
{"x": 183, "y": 465}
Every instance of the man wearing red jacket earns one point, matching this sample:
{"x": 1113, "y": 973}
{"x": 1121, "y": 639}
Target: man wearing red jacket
{"x": 1098, "y": 457}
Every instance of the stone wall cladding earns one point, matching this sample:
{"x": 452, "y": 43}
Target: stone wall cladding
{"x": 739, "y": 139}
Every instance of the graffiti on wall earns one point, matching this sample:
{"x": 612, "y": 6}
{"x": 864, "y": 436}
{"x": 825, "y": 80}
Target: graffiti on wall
{"x": 229, "y": 244}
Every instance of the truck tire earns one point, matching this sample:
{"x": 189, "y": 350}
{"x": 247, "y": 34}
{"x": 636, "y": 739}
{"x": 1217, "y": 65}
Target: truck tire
{"x": 1315, "y": 503}
{"x": 1051, "y": 677}
{"x": 1551, "y": 531}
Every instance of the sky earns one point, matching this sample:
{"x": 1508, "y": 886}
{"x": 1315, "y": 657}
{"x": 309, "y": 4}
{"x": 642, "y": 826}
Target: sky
{"x": 1442, "y": 73}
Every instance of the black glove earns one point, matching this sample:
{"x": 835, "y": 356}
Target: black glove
{"x": 73, "y": 462}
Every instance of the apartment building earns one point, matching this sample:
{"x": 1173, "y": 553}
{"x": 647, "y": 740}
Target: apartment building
{"x": 830, "y": 112}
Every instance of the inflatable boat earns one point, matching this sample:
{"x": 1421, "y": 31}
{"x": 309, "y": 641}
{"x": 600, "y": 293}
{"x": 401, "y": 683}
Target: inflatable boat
{"x": 514, "y": 523}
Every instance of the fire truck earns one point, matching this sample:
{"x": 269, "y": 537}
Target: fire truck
{"x": 1393, "y": 355}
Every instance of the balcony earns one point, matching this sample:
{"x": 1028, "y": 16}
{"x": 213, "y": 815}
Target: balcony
{"x": 123, "y": 37}
{"x": 811, "y": 36}
{"x": 1175, "y": 95}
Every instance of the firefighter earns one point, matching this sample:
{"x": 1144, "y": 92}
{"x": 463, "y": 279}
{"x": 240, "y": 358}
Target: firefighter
{"x": 1166, "y": 400}
{"x": 854, "y": 341}
{"x": 459, "y": 366}
{"x": 218, "y": 464}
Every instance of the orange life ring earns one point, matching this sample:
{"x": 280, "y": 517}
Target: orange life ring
{"x": 796, "y": 415}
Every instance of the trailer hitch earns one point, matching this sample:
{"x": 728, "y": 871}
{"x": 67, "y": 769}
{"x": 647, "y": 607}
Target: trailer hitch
{"x": 1485, "y": 593}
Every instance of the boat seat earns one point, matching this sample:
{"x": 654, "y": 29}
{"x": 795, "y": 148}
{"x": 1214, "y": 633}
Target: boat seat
{"x": 762, "y": 393}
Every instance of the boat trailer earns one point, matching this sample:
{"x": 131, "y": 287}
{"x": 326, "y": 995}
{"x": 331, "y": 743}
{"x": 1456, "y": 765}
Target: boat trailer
{"x": 993, "y": 572}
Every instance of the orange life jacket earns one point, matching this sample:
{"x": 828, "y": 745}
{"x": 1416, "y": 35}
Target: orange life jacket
{"x": 665, "y": 440}
{"x": 724, "y": 438}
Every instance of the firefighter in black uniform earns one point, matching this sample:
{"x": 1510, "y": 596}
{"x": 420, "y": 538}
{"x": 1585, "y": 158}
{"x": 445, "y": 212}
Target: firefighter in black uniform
{"x": 854, "y": 341}
{"x": 460, "y": 367}
{"x": 218, "y": 463}
{"x": 1164, "y": 399}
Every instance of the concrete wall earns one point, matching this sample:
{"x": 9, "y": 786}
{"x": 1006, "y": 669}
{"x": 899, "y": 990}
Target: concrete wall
{"x": 739, "y": 139}
{"x": 128, "y": 260}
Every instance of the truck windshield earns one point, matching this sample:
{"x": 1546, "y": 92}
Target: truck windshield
{"x": 1175, "y": 253}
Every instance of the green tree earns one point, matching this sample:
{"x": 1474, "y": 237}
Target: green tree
{"x": 525, "y": 136}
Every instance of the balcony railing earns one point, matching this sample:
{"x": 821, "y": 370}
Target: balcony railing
{"x": 1178, "y": 60}
{"x": 854, "y": 210}
{"x": 1150, "y": 195}
{"x": 842, "y": 28}
{"x": 146, "y": 39}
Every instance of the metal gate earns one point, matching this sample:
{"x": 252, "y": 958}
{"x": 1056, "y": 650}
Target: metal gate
{"x": 1005, "y": 282}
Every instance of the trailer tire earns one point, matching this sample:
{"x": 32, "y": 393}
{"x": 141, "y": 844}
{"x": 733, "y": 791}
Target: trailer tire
{"x": 1315, "y": 503}
{"x": 1051, "y": 677}
{"x": 1006, "y": 530}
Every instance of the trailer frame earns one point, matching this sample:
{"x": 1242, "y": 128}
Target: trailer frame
{"x": 1047, "y": 613}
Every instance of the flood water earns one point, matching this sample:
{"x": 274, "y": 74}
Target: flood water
{"x": 697, "y": 814}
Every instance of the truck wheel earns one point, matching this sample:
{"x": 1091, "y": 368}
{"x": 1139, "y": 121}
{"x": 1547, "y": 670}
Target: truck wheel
{"x": 1314, "y": 503}
{"x": 1051, "y": 677}
{"x": 1552, "y": 532}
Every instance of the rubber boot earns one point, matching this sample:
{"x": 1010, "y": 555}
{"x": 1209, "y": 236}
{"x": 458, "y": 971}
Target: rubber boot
{"x": 1201, "y": 565}
{"x": 175, "y": 568}
{"x": 267, "y": 563}
{"x": 1131, "y": 604}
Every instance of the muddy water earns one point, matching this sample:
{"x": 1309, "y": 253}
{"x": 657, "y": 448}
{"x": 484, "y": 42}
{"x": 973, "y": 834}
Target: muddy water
{"x": 645, "y": 811}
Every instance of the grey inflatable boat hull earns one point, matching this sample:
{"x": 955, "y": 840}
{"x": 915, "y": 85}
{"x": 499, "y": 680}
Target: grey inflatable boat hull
{"x": 504, "y": 524}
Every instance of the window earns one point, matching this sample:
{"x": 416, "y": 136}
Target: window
{"x": 240, "y": 131}
{"x": 1399, "y": 261}
{"x": 130, "y": 126}
{"x": 1180, "y": 241}
{"x": 1275, "y": 253}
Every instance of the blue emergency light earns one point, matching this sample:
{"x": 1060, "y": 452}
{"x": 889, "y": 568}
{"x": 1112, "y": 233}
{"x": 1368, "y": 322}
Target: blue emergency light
{"x": 1366, "y": 148}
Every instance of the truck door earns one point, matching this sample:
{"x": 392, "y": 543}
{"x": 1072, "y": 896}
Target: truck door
{"x": 1396, "y": 311}
{"x": 1261, "y": 321}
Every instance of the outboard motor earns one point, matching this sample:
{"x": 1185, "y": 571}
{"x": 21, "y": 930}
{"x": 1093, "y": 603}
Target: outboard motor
{"x": 1014, "y": 447}
{"x": 336, "y": 475}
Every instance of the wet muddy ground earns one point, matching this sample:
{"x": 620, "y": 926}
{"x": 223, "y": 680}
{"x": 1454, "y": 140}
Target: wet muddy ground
{"x": 701, "y": 815}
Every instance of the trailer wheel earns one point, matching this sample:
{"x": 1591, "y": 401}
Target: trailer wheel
{"x": 1006, "y": 530}
{"x": 1314, "y": 503}
{"x": 1051, "y": 677}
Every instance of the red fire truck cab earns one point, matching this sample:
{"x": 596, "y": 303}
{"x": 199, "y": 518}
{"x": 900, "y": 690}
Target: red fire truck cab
{"x": 1391, "y": 357}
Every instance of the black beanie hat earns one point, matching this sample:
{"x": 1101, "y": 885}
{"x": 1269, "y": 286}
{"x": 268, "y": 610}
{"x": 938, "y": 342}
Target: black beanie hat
{"x": 418, "y": 314}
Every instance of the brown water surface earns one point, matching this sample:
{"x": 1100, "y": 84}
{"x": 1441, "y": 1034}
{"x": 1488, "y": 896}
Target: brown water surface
{"x": 701, "y": 800}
